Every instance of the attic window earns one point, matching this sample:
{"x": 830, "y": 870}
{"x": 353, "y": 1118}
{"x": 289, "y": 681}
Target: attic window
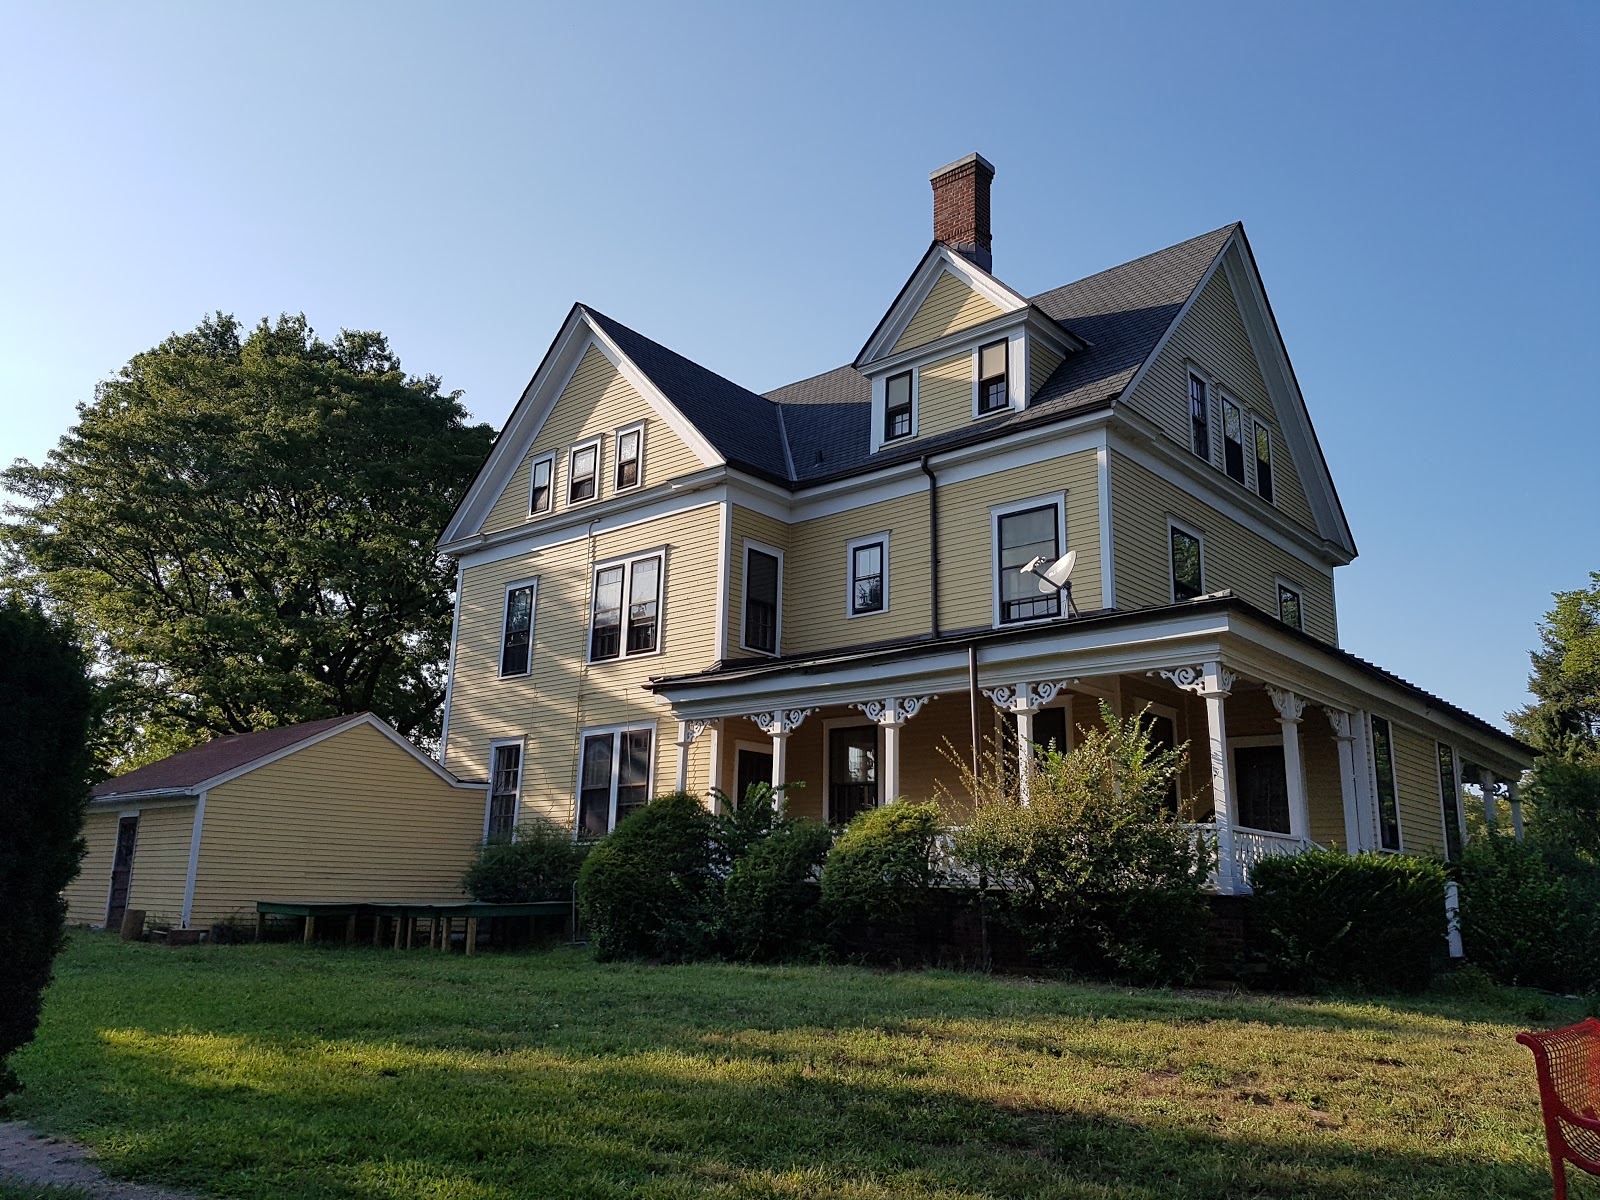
{"x": 582, "y": 472}
{"x": 1263, "y": 462}
{"x": 1232, "y": 440}
{"x": 1199, "y": 418}
{"x": 541, "y": 494}
{"x": 992, "y": 377}
{"x": 897, "y": 407}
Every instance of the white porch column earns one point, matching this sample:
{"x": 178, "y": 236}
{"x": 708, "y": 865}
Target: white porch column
{"x": 1366, "y": 804}
{"x": 778, "y": 724}
{"x": 1490, "y": 812}
{"x": 1213, "y": 683}
{"x": 1290, "y": 707}
{"x": 1344, "y": 734}
{"x": 687, "y": 732}
{"x": 1022, "y": 700}
{"x": 891, "y": 714}
{"x": 1461, "y": 799}
{"x": 1515, "y": 797}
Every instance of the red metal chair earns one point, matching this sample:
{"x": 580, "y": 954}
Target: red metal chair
{"x": 1568, "y": 1061}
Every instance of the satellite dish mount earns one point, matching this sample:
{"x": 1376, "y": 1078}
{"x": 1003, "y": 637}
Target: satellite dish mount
{"x": 1057, "y": 577}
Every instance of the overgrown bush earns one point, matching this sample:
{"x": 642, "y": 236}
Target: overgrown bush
{"x": 46, "y": 702}
{"x": 539, "y": 863}
{"x": 772, "y": 900}
{"x": 877, "y": 879}
{"x": 1530, "y": 915}
{"x": 1327, "y": 918}
{"x": 1093, "y": 871}
{"x": 647, "y": 890}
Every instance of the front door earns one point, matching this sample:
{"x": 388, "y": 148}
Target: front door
{"x": 121, "y": 871}
{"x": 852, "y": 772}
{"x": 1263, "y": 787}
{"x": 753, "y": 767}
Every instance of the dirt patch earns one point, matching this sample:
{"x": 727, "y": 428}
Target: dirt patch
{"x": 29, "y": 1157}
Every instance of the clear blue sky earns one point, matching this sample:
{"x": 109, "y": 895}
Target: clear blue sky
{"x": 748, "y": 184}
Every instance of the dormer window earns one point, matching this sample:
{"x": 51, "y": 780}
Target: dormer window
{"x": 897, "y": 407}
{"x": 992, "y": 392}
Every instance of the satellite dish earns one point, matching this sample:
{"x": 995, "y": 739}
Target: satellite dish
{"x": 1055, "y": 576}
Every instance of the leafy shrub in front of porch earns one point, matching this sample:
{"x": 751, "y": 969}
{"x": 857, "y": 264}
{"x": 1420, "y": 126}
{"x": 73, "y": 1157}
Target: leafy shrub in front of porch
{"x": 1530, "y": 914}
{"x": 878, "y": 879}
{"x": 648, "y": 889}
{"x": 772, "y": 900}
{"x": 1327, "y": 918}
{"x": 1093, "y": 871}
{"x": 540, "y": 863}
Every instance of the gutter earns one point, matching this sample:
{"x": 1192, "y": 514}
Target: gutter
{"x": 933, "y": 540}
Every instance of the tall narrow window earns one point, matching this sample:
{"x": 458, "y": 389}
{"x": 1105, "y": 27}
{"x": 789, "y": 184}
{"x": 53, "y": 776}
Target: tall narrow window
{"x": 633, "y": 771}
{"x": 505, "y": 779}
{"x": 516, "y": 641}
{"x": 897, "y": 407}
{"x": 582, "y": 468}
{"x": 1449, "y": 802}
{"x": 1023, "y": 536}
{"x": 1383, "y": 771}
{"x": 613, "y": 778}
{"x": 594, "y": 785}
{"x": 1289, "y": 606}
{"x": 1232, "y": 440}
{"x": 618, "y": 631}
{"x": 1188, "y": 573}
{"x": 1199, "y": 418}
{"x": 630, "y": 456}
{"x": 868, "y": 577}
{"x": 992, "y": 389}
{"x": 542, "y": 493}
{"x": 761, "y": 572}
{"x": 1263, "y": 462}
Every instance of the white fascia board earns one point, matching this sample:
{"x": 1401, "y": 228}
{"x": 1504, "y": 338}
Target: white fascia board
{"x": 939, "y": 260}
{"x": 603, "y": 518}
{"x": 950, "y": 343}
{"x": 665, "y": 409}
{"x": 156, "y": 798}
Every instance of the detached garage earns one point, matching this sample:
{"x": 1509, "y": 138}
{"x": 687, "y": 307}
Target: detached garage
{"x": 344, "y": 809}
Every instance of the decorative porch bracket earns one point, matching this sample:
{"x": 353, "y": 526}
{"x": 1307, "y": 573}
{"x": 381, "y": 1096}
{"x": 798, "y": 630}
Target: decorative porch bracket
{"x": 778, "y": 724}
{"x": 1022, "y": 700}
{"x": 891, "y": 713}
{"x": 1213, "y": 683}
{"x": 688, "y": 731}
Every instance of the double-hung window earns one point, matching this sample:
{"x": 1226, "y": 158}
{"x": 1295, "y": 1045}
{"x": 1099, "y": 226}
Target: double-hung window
{"x": 1199, "y": 418}
{"x": 1289, "y": 611}
{"x": 626, "y": 615}
{"x": 630, "y": 457}
{"x": 1188, "y": 565}
{"x": 583, "y": 472}
{"x": 613, "y": 778}
{"x": 897, "y": 406}
{"x": 541, "y": 493}
{"x": 1232, "y": 440}
{"x": 505, "y": 781}
{"x": 516, "y": 638}
{"x": 763, "y": 583}
{"x": 1263, "y": 461}
{"x": 1450, "y": 801}
{"x": 1021, "y": 535}
{"x": 869, "y": 576}
{"x": 992, "y": 390}
{"x": 1383, "y": 771}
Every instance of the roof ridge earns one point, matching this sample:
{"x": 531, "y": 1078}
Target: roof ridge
{"x": 1199, "y": 237}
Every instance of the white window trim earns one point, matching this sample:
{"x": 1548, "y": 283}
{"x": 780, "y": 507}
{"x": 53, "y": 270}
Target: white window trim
{"x": 615, "y": 732}
{"x": 1256, "y": 423}
{"x": 616, "y": 457}
{"x": 977, "y": 380}
{"x": 880, "y": 407}
{"x": 1209, "y": 456}
{"x": 1059, "y": 500}
{"x": 850, "y": 574}
{"x": 533, "y": 619}
{"x": 488, "y": 792}
{"x": 532, "y": 467}
{"x": 1278, "y": 583}
{"x": 754, "y": 748}
{"x": 1246, "y": 450}
{"x": 626, "y": 562}
{"x": 1264, "y": 739}
{"x": 1372, "y": 783}
{"x": 744, "y": 595}
{"x": 594, "y": 443}
{"x": 1461, "y": 806}
{"x": 1172, "y": 574}
{"x": 828, "y": 726}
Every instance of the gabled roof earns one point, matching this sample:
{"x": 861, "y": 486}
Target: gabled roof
{"x": 190, "y": 772}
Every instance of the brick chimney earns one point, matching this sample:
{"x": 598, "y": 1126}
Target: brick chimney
{"x": 961, "y": 207}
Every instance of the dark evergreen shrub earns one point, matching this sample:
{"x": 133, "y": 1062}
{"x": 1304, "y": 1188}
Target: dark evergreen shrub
{"x": 1329, "y": 919}
{"x": 540, "y": 863}
{"x": 46, "y": 704}
{"x": 648, "y": 890}
{"x": 1529, "y": 915}
{"x": 878, "y": 878}
{"x": 772, "y": 901}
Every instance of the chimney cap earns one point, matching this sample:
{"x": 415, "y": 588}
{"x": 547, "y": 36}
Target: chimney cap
{"x": 962, "y": 162}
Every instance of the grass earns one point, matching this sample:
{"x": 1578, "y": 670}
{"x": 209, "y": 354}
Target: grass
{"x": 289, "y": 1071}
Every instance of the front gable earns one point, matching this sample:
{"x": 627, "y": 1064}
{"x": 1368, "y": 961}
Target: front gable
{"x": 951, "y": 306}
{"x": 945, "y": 294}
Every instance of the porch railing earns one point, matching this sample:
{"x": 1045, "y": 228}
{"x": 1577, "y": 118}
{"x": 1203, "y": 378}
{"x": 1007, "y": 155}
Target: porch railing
{"x": 1249, "y": 847}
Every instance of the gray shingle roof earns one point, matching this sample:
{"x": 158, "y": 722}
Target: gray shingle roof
{"x": 819, "y": 428}
{"x": 183, "y": 770}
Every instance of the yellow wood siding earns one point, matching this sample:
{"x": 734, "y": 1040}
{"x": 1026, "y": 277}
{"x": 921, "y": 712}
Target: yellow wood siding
{"x": 1416, "y": 760}
{"x": 944, "y": 395}
{"x": 596, "y": 402}
{"x": 88, "y": 893}
{"x": 353, "y": 817}
{"x": 951, "y": 305}
{"x": 160, "y": 863}
{"x": 1041, "y": 362}
{"x": 1324, "y": 792}
{"x": 563, "y": 694}
{"x": 1234, "y": 557}
{"x": 966, "y": 544}
{"x": 817, "y": 571}
{"x": 1212, "y": 337}
{"x": 747, "y": 524}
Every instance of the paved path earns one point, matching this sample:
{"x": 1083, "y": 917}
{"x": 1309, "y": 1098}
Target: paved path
{"x": 29, "y": 1157}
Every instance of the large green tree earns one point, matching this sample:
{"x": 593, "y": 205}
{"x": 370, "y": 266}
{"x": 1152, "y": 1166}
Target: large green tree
{"x": 1564, "y": 720}
{"x": 243, "y": 523}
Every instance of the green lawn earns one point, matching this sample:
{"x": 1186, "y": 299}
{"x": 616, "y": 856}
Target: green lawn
{"x": 287, "y": 1071}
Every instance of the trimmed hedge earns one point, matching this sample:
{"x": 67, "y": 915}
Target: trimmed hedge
{"x": 772, "y": 901}
{"x": 1529, "y": 919}
{"x": 1330, "y": 919}
{"x": 541, "y": 864}
{"x": 878, "y": 879}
